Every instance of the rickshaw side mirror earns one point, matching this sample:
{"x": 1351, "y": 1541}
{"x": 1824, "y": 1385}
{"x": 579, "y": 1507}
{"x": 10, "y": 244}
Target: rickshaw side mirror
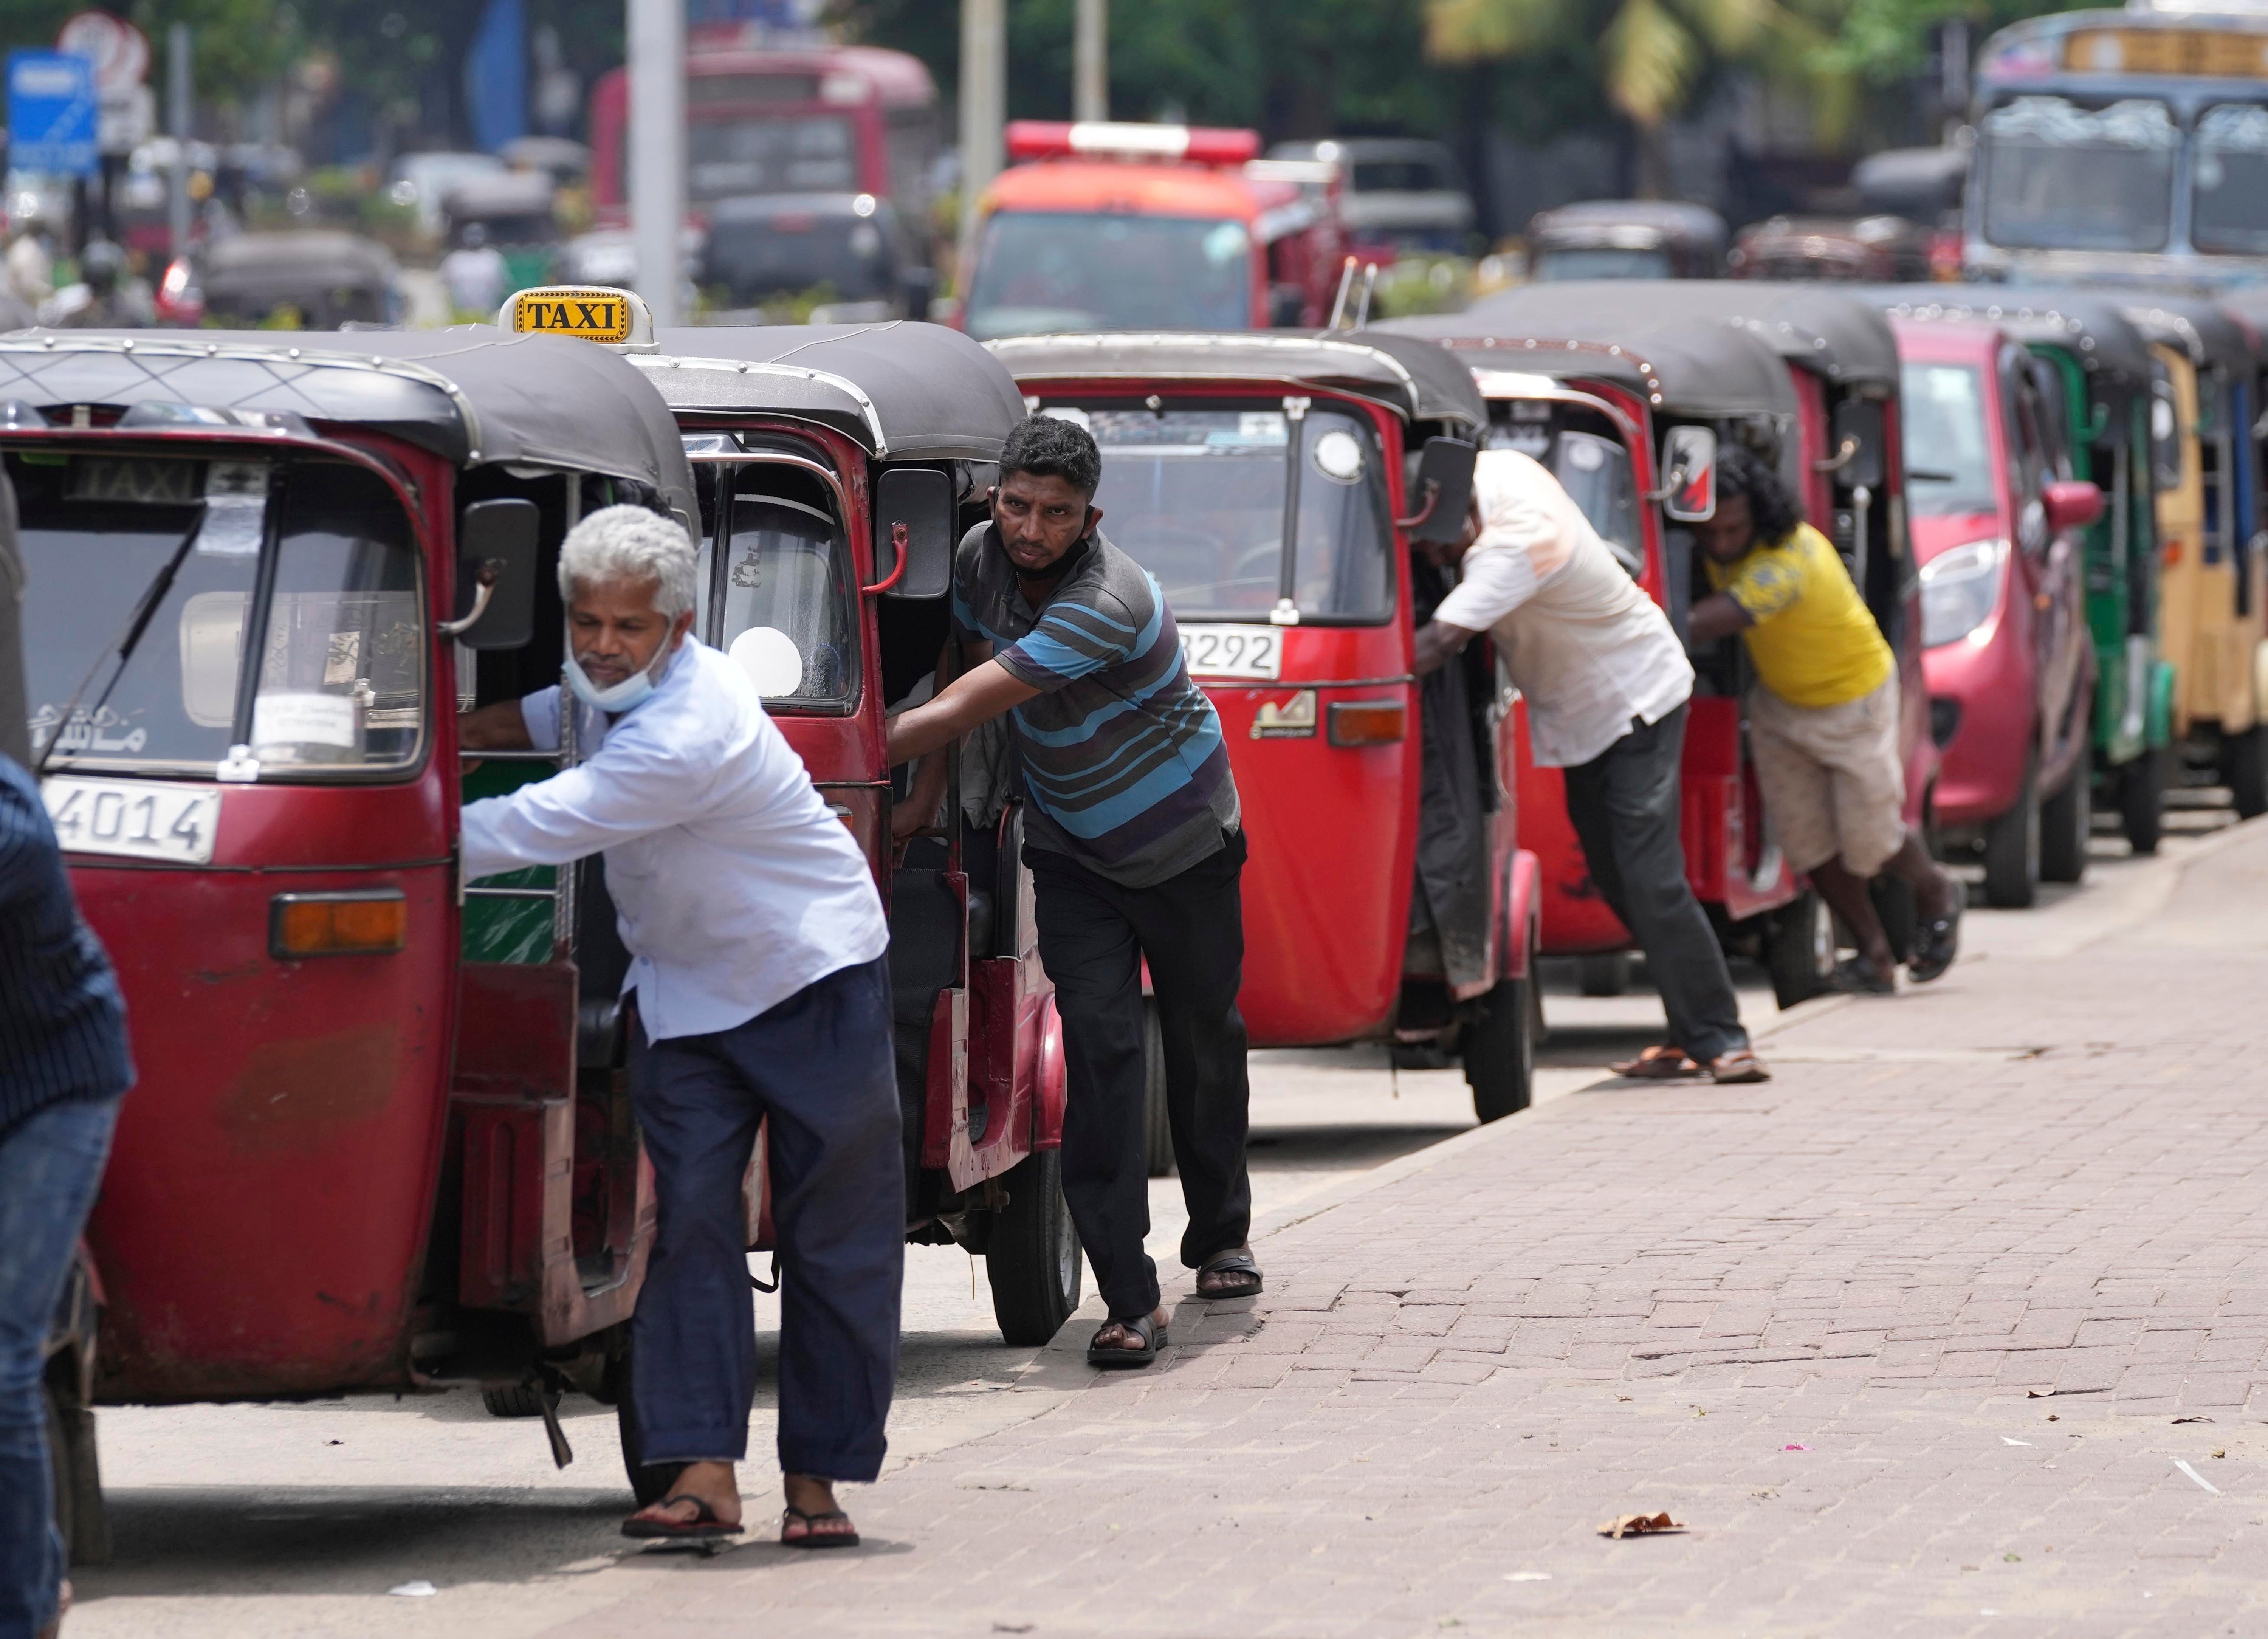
{"x": 1688, "y": 474}
{"x": 920, "y": 498}
{"x": 495, "y": 556}
{"x": 2071, "y": 503}
{"x": 1857, "y": 461}
{"x": 1443, "y": 492}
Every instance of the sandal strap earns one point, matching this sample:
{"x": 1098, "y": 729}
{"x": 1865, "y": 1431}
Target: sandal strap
{"x": 1237, "y": 1260}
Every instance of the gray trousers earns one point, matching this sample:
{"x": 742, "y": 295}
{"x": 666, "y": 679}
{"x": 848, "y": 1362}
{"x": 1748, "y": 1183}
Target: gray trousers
{"x": 1624, "y": 804}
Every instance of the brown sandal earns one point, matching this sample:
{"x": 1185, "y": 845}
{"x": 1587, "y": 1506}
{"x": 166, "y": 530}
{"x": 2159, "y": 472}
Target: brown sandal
{"x": 1736, "y": 1067}
{"x": 1664, "y": 1063}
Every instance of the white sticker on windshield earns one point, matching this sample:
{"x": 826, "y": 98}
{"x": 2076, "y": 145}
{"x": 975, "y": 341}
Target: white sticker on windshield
{"x": 236, "y": 509}
{"x": 286, "y": 720}
{"x": 1262, "y": 427}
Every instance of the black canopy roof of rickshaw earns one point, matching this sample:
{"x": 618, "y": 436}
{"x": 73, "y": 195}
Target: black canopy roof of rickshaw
{"x": 905, "y": 391}
{"x": 1826, "y": 330}
{"x": 1413, "y": 378}
{"x": 2210, "y": 335}
{"x": 1706, "y": 372}
{"x": 15, "y": 731}
{"x": 2088, "y": 322}
{"x": 473, "y": 395}
{"x": 317, "y": 257}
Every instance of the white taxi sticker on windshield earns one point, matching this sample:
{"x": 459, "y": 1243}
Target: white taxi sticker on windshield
{"x": 1233, "y": 651}
{"x": 589, "y": 313}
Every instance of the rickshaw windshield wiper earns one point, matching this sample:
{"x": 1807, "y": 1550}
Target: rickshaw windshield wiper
{"x": 128, "y": 640}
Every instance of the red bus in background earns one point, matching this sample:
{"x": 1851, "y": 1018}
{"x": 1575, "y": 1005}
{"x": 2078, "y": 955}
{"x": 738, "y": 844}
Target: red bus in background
{"x": 819, "y": 120}
{"x": 1104, "y": 225}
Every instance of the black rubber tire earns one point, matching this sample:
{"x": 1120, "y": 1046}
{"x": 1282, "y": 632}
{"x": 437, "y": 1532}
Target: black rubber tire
{"x": 2142, "y": 799}
{"x": 2066, "y": 823}
{"x": 1157, "y": 1123}
{"x": 2244, "y": 765}
{"x": 2012, "y": 848}
{"x": 524, "y": 1401}
{"x": 66, "y": 1494}
{"x": 1499, "y": 1047}
{"x": 1800, "y": 949}
{"x": 649, "y": 1483}
{"x": 1605, "y": 974}
{"x": 1032, "y": 1259}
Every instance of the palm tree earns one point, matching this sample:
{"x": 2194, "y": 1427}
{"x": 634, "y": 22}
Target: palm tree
{"x": 1652, "y": 53}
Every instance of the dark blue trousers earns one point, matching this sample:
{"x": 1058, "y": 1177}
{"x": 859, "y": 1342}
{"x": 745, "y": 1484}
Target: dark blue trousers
{"x": 818, "y": 1067}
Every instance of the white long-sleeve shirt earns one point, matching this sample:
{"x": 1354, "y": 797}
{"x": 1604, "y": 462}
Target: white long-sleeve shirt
{"x": 734, "y": 885}
{"x": 1581, "y": 640}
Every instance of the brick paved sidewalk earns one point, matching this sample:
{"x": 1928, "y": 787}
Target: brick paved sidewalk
{"x": 1810, "y": 1319}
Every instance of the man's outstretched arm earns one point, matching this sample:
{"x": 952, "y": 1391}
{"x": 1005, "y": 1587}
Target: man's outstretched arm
{"x": 976, "y": 696}
{"x": 1717, "y": 615}
{"x": 1438, "y": 642}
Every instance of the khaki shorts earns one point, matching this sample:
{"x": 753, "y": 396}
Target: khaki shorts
{"x": 1831, "y": 778}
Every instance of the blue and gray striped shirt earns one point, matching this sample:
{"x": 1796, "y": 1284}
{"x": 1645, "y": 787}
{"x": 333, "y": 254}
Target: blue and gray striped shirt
{"x": 62, "y": 1026}
{"x": 1123, "y": 764}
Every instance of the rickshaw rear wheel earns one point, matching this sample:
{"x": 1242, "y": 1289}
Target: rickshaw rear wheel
{"x": 1606, "y": 974}
{"x": 2142, "y": 799}
{"x": 1499, "y": 1049}
{"x": 1157, "y": 1121}
{"x": 1032, "y": 1259}
{"x": 1800, "y": 949}
{"x": 523, "y": 1399}
{"x": 649, "y": 1483}
{"x": 2244, "y": 765}
{"x": 2012, "y": 848}
{"x": 2066, "y": 823}
{"x": 81, "y": 1519}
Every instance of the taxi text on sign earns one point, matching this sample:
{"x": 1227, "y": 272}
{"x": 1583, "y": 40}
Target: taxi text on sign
{"x": 588, "y": 315}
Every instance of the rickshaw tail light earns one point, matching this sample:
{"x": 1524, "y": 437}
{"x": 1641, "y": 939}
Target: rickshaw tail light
{"x": 1369, "y": 722}
{"x": 373, "y": 924}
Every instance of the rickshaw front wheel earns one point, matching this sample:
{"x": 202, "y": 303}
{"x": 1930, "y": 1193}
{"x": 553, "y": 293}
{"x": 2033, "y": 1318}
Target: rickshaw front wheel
{"x": 1499, "y": 1049}
{"x": 1031, "y": 1257}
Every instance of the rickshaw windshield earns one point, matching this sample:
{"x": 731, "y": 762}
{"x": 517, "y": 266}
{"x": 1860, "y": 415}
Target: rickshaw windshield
{"x": 1949, "y": 460}
{"x": 1040, "y": 271}
{"x": 788, "y": 602}
{"x": 1196, "y": 497}
{"x": 341, "y": 680}
{"x": 1602, "y": 262}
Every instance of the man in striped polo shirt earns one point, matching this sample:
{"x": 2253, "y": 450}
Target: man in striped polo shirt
{"x": 1133, "y": 838}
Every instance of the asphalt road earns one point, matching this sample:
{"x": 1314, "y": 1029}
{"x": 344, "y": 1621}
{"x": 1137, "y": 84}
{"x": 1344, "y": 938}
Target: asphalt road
{"x": 323, "y": 1518}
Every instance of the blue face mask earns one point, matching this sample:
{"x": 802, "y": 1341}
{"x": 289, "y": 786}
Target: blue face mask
{"x": 619, "y": 697}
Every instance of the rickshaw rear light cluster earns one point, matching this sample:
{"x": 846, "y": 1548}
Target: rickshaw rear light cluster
{"x": 1369, "y": 722}
{"x": 373, "y": 923}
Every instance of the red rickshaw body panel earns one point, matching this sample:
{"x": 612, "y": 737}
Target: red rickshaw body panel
{"x": 263, "y": 1219}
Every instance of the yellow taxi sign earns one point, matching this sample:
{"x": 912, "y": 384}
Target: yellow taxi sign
{"x": 589, "y": 313}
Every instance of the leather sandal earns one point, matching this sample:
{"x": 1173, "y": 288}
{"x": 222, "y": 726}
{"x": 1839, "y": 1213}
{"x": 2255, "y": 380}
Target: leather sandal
{"x": 1663, "y": 1064}
{"x": 1112, "y": 1358}
{"x": 1237, "y": 1261}
{"x": 1740, "y": 1065}
{"x": 1940, "y": 940}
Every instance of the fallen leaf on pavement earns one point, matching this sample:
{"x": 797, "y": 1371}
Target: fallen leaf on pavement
{"x": 1638, "y": 1526}
{"x": 2193, "y": 1420}
{"x": 2221, "y": 1453}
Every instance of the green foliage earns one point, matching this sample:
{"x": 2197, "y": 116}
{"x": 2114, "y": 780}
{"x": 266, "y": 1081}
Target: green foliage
{"x": 1882, "y": 41}
{"x": 239, "y": 43}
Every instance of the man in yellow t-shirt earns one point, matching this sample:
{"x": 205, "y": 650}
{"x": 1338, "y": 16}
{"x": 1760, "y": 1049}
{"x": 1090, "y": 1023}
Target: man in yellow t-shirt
{"x": 1822, "y": 717}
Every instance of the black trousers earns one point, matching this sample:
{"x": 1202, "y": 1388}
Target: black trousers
{"x": 818, "y": 1065}
{"x": 1624, "y": 804}
{"x": 1093, "y": 934}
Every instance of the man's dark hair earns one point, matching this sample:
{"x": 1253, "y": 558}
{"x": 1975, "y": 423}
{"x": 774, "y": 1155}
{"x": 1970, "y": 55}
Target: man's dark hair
{"x": 1744, "y": 471}
{"x": 1048, "y": 446}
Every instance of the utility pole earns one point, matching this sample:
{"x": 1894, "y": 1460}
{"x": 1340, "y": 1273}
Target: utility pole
{"x": 1090, "y": 62}
{"x": 178, "y": 120}
{"x": 657, "y": 180}
{"x": 984, "y": 113}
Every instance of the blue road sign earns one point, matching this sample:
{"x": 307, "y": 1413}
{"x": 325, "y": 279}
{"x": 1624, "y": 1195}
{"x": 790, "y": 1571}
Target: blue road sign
{"x": 51, "y": 114}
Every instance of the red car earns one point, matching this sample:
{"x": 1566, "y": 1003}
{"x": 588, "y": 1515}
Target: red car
{"x": 2005, "y": 647}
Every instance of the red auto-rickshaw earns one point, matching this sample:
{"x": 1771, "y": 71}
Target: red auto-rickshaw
{"x": 356, "y": 1159}
{"x": 1835, "y": 431}
{"x": 837, "y": 466}
{"x": 1386, "y": 897}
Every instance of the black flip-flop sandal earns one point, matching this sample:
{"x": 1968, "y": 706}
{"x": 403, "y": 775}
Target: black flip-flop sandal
{"x": 1238, "y": 1262}
{"x": 704, "y": 1525}
{"x": 1940, "y": 940}
{"x": 812, "y": 1538}
{"x": 1112, "y": 1358}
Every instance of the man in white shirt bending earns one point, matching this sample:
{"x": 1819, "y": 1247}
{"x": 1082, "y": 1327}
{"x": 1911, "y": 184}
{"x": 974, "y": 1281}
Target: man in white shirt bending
{"x": 1606, "y": 682}
{"x": 757, "y": 940}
